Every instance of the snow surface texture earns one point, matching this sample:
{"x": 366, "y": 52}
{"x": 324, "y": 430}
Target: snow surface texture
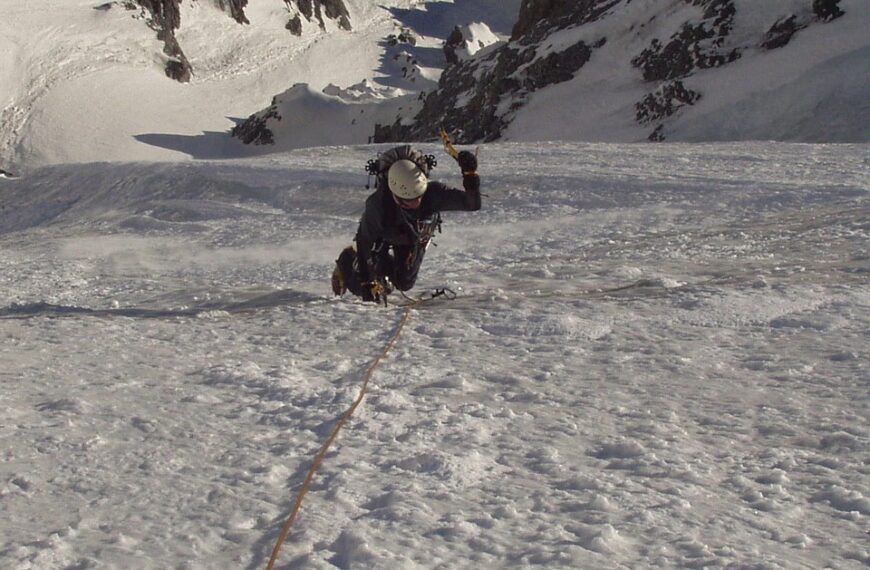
{"x": 658, "y": 359}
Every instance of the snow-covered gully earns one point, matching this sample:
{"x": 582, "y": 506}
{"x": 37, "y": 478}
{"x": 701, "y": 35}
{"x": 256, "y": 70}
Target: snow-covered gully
{"x": 657, "y": 358}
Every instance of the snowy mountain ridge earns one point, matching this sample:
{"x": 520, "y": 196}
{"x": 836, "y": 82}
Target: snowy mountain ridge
{"x": 100, "y": 81}
{"x": 696, "y": 70}
{"x": 792, "y": 70}
{"x": 165, "y": 18}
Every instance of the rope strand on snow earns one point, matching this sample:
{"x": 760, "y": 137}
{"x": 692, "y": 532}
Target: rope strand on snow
{"x": 318, "y": 459}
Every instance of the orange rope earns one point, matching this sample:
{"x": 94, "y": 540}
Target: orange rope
{"x": 318, "y": 459}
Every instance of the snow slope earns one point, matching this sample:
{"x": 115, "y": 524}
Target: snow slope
{"x": 801, "y": 92}
{"x": 657, "y": 359}
{"x": 83, "y": 85}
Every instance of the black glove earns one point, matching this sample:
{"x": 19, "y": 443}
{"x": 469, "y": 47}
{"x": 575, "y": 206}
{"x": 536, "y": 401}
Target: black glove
{"x": 467, "y": 161}
{"x": 471, "y": 182}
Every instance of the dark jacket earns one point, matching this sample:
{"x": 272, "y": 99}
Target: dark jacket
{"x": 385, "y": 223}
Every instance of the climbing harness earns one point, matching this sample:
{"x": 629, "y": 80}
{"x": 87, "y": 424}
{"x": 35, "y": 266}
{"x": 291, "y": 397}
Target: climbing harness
{"x": 421, "y": 233}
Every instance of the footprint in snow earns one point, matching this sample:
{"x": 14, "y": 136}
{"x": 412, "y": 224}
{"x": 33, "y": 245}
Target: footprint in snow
{"x": 618, "y": 450}
{"x": 64, "y": 405}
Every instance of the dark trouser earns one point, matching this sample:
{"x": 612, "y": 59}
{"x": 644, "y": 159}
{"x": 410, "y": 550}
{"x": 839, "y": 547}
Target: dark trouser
{"x": 401, "y": 265}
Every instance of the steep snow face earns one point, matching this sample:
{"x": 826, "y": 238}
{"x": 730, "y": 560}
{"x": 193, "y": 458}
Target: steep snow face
{"x": 79, "y": 84}
{"x": 809, "y": 90}
{"x": 425, "y": 37}
{"x": 614, "y": 70}
{"x": 465, "y": 41}
{"x": 294, "y": 118}
{"x": 304, "y": 116}
{"x": 658, "y": 359}
{"x": 166, "y": 17}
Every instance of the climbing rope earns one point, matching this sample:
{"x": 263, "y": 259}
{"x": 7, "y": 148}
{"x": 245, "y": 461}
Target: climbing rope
{"x": 406, "y": 311}
{"x": 318, "y": 459}
{"x": 445, "y": 292}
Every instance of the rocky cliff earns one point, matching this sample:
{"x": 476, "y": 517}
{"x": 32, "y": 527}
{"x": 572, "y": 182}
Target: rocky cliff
{"x": 553, "y": 40}
{"x": 165, "y": 19}
{"x": 316, "y": 10}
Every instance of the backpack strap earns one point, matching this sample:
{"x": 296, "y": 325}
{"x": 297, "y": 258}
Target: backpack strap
{"x": 381, "y": 165}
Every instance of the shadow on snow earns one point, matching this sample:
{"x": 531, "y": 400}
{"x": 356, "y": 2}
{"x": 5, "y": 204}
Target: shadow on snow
{"x": 439, "y": 18}
{"x": 210, "y": 145}
{"x": 275, "y": 299}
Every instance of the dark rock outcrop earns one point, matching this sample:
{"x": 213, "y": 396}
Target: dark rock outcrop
{"x": 317, "y": 9}
{"x": 254, "y": 129}
{"x": 476, "y": 99}
{"x": 664, "y": 102}
{"x": 558, "y": 14}
{"x": 165, "y": 19}
{"x": 453, "y": 41}
{"x": 295, "y": 25}
{"x": 485, "y": 85}
{"x": 557, "y": 67}
{"x": 781, "y": 32}
{"x": 695, "y": 46}
{"x": 657, "y": 135}
{"x": 236, "y": 9}
{"x": 405, "y": 36}
{"x": 827, "y": 10}
{"x": 179, "y": 70}
{"x": 127, "y": 4}
{"x": 166, "y": 14}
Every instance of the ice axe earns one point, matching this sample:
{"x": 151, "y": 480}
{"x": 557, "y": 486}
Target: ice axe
{"x": 448, "y": 146}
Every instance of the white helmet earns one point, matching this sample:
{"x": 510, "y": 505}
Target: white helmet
{"x": 407, "y": 180}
